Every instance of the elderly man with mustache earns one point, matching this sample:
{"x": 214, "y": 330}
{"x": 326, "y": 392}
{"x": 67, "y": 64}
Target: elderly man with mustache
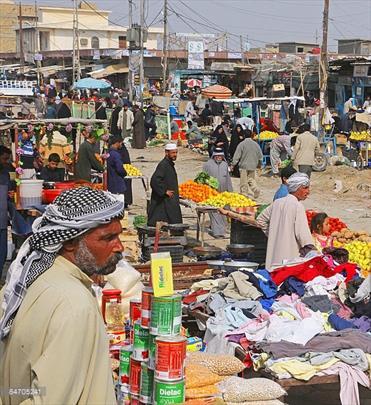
{"x": 54, "y": 348}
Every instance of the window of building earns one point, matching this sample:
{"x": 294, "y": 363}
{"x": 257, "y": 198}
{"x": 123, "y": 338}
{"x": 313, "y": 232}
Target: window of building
{"x": 44, "y": 40}
{"x": 299, "y": 49}
{"x": 95, "y": 43}
{"x": 84, "y": 41}
{"x": 122, "y": 42}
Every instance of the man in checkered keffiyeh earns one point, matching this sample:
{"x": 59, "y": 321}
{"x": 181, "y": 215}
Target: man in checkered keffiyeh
{"x": 74, "y": 213}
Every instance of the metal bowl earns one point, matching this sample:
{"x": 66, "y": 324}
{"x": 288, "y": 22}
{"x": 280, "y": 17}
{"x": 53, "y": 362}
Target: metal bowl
{"x": 207, "y": 251}
{"x": 240, "y": 248}
{"x": 215, "y": 264}
{"x": 233, "y": 266}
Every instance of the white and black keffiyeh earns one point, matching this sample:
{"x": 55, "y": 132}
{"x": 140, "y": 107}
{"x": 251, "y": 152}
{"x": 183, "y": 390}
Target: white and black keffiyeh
{"x": 73, "y": 213}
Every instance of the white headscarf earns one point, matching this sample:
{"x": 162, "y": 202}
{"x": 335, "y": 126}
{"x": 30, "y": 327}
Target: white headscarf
{"x": 296, "y": 181}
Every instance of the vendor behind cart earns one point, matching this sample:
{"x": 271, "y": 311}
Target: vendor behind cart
{"x": 165, "y": 204}
{"x": 285, "y": 223}
{"x": 86, "y": 160}
{"x": 51, "y": 172}
{"x": 217, "y": 167}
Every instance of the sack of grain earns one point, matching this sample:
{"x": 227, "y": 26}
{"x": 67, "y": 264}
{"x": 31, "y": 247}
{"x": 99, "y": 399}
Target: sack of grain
{"x": 236, "y": 389}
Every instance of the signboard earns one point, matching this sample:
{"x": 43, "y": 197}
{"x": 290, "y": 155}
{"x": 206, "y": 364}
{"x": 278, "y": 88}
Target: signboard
{"x": 278, "y": 87}
{"x": 234, "y": 55}
{"x": 96, "y": 54}
{"x": 195, "y": 47}
{"x": 38, "y": 57}
{"x": 163, "y": 124}
{"x": 360, "y": 70}
{"x": 196, "y": 61}
{"x": 196, "y": 55}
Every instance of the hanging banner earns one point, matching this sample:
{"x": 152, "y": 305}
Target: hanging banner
{"x": 196, "y": 55}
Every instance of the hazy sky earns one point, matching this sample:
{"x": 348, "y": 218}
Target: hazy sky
{"x": 260, "y": 20}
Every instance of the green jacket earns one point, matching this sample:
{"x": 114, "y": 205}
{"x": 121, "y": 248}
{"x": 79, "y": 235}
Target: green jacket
{"x": 86, "y": 161}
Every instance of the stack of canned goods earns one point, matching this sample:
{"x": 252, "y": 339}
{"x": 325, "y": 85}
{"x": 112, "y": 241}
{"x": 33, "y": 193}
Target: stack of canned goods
{"x": 152, "y": 368}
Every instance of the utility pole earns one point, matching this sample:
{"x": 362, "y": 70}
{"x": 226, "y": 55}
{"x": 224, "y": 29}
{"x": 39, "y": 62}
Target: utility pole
{"x": 164, "y": 50}
{"x": 242, "y": 50}
{"x": 76, "y": 44}
{"x": 323, "y": 68}
{"x": 141, "y": 67}
{"x": 226, "y": 41}
{"x": 130, "y": 71}
{"x": 21, "y": 50}
{"x": 37, "y": 45}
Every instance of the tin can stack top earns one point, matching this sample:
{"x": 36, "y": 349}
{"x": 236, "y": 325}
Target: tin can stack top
{"x": 152, "y": 359}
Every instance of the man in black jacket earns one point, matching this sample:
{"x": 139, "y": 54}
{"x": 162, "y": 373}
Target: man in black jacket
{"x": 165, "y": 204}
{"x": 150, "y": 123}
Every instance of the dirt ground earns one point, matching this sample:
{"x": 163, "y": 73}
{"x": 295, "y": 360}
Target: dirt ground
{"x": 352, "y": 203}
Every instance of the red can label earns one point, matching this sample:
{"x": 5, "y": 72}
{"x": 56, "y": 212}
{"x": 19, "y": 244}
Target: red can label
{"x": 170, "y": 356}
{"x": 135, "y": 310}
{"x": 134, "y": 400}
{"x": 147, "y": 294}
{"x": 134, "y": 379}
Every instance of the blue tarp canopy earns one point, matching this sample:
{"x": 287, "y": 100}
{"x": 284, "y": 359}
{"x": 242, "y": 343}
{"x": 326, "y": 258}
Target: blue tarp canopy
{"x": 90, "y": 83}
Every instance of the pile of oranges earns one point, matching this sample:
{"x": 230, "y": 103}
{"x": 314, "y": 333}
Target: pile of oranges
{"x": 196, "y": 192}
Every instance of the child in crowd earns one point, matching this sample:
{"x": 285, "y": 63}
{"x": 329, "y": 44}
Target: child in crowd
{"x": 283, "y": 190}
{"x": 320, "y": 228}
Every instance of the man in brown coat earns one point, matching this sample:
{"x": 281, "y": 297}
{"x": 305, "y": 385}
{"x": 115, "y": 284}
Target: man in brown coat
{"x": 139, "y": 140}
{"x": 305, "y": 150}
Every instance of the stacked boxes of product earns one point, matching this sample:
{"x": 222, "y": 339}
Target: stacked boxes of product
{"x": 152, "y": 365}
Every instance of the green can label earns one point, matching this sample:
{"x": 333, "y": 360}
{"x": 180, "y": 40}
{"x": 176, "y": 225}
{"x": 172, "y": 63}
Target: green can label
{"x": 166, "y": 315}
{"x": 151, "y": 351}
{"x": 140, "y": 346}
{"x": 169, "y": 393}
{"x": 146, "y": 384}
{"x": 124, "y": 371}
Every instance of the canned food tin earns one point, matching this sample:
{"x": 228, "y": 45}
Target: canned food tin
{"x": 147, "y": 294}
{"x": 151, "y": 351}
{"x": 134, "y": 400}
{"x": 170, "y": 356}
{"x": 140, "y": 346}
{"x": 166, "y": 392}
{"x": 166, "y": 315}
{"x": 124, "y": 374}
{"x": 146, "y": 384}
{"x": 134, "y": 380}
{"x": 124, "y": 396}
{"x": 135, "y": 310}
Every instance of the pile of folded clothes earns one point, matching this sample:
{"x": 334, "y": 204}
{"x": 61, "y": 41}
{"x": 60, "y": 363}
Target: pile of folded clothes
{"x": 299, "y": 321}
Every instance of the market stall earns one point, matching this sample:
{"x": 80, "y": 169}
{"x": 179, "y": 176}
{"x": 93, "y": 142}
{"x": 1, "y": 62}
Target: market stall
{"x": 304, "y": 324}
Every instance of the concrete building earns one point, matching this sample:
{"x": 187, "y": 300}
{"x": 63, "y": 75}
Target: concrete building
{"x": 354, "y": 46}
{"x": 296, "y": 47}
{"x": 54, "y": 31}
{"x": 9, "y": 20}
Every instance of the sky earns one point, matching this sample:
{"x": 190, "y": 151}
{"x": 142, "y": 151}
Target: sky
{"x": 258, "y": 21}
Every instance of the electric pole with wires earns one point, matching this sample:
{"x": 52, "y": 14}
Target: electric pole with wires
{"x": 76, "y": 71}
{"x": 323, "y": 68}
{"x": 164, "y": 50}
{"x": 130, "y": 52}
{"x": 141, "y": 67}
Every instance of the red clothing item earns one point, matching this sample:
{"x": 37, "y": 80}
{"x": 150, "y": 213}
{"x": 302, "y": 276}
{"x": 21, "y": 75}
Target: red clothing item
{"x": 189, "y": 299}
{"x": 312, "y": 268}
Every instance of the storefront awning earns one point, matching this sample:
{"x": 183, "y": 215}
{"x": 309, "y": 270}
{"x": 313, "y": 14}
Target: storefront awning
{"x": 109, "y": 70}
